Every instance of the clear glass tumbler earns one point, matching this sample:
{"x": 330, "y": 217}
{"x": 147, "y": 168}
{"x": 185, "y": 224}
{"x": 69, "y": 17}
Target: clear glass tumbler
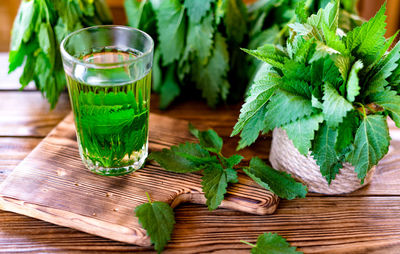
{"x": 108, "y": 71}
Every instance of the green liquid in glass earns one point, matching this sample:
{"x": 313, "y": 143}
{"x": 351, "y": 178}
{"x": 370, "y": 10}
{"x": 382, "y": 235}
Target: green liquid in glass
{"x": 111, "y": 118}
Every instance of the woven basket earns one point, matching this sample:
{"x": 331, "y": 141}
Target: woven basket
{"x": 284, "y": 156}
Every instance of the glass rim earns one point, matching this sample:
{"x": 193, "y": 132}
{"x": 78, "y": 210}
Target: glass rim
{"x": 71, "y": 58}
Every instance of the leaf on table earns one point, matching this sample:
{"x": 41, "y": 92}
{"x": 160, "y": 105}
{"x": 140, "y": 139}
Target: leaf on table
{"x": 172, "y": 159}
{"x": 209, "y": 139}
{"x": 278, "y": 182}
{"x": 370, "y": 145}
{"x": 215, "y": 182}
{"x": 269, "y": 243}
{"x": 158, "y": 219}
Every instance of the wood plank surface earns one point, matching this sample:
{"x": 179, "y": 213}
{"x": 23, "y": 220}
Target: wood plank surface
{"x": 52, "y": 184}
{"x": 366, "y": 221}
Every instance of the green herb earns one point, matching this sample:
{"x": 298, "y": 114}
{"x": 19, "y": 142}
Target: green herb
{"x": 198, "y": 41}
{"x": 39, "y": 28}
{"x": 280, "y": 183}
{"x": 220, "y": 171}
{"x": 269, "y": 243}
{"x": 330, "y": 91}
{"x": 158, "y": 219}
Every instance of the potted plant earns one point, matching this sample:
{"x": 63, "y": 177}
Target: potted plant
{"x": 326, "y": 95}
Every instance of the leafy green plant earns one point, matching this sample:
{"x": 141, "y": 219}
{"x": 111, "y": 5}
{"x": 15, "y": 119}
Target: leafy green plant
{"x": 269, "y": 243}
{"x": 198, "y": 42}
{"x": 158, "y": 219}
{"x": 219, "y": 171}
{"x": 39, "y": 28}
{"x": 330, "y": 91}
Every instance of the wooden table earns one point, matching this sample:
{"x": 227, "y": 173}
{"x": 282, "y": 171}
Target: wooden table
{"x": 367, "y": 221}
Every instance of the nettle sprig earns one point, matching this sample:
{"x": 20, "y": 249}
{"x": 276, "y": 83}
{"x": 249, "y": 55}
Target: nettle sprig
{"x": 218, "y": 172}
{"x": 38, "y": 30}
{"x": 330, "y": 91}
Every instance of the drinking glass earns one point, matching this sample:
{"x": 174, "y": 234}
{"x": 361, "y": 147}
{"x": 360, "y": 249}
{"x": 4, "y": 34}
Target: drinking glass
{"x": 108, "y": 71}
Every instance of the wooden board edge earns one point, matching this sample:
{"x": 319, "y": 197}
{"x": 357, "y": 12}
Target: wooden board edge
{"x": 75, "y": 221}
{"x": 231, "y": 202}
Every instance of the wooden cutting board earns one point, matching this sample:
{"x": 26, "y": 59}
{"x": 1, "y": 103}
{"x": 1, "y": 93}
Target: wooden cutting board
{"x": 53, "y": 185}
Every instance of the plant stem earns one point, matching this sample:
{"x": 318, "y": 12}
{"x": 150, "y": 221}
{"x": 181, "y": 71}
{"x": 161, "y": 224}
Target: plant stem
{"x": 252, "y": 245}
{"x": 148, "y": 197}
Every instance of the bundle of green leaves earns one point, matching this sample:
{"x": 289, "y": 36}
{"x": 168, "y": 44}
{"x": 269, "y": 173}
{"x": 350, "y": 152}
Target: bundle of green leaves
{"x": 198, "y": 41}
{"x": 330, "y": 91}
{"x": 39, "y": 28}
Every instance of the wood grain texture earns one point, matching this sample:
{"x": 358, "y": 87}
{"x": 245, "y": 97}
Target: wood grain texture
{"x": 362, "y": 222}
{"x": 52, "y": 184}
{"x": 13, "y": 151}
{"x": 27, "y": 114}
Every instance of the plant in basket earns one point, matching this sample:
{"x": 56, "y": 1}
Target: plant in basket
{"x": 326, "y": 95}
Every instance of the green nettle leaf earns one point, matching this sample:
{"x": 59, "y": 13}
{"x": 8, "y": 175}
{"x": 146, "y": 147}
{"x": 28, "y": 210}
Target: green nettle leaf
{"x": 169, "y": 88}
{"x": 214, "y": 182}
{"x": 370, "y": 145}
{"x": 284, "y": 108}
{"x": 269, "y": 243}
{"x": 278, "y": 182}
{"x": 333, "y": 40}
{"x": 260, "y": 93}
{"x": 209, "y": 140}
{"x": 199, "y": 38}
{"x": 252, "y": 129}
{"x": 134, "y": 11}
{"x": 171, "y": 29}
{"x": 383, "y": 70}
{"x": 46, "y": 41}
{"x": 390, "y": 101}
{"x": 335, "y": 106}
{"x": 23, "y": 24}
{"x": 324, "y": 152}
{"x": 197, "y": 9}
{"x": 172, "y": 159}
{"x": 329, "y": 16}
{"x": 231, "y": 175}
{"x": 211, "y": 78}
{"x": 235, "y": 19}
{"x": 269, "y": 54}
{"x": 368, "y": 39}
{"x": 353, "y": 86}
{"x": 233, "y": 160}
{"x": 158, "y": 219}
{"x": 302, "y": 131}
{"x": 346, "y": 131}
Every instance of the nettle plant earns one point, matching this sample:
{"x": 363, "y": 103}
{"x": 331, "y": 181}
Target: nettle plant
{"x": 330, "y": 91}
